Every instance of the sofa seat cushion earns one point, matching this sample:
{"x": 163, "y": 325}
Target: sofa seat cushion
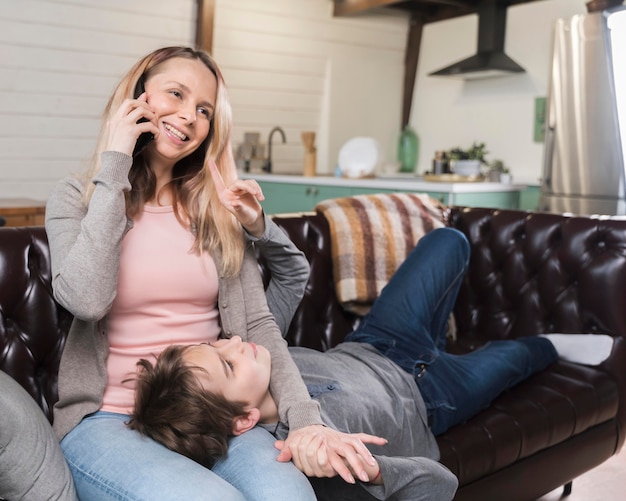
{"x": 545, "y": 410}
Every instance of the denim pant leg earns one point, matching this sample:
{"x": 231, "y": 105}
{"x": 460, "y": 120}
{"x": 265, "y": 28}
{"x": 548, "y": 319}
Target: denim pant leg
{"x": 109, "y": 461}
{"x": 407, "y": 322}
{"x": 457, "y": 387}
{"x": 252, "y": 468}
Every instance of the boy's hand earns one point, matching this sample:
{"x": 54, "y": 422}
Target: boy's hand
{"x": 373, "y": 472}
{"x": 241, "y": 198}
{"x": 319, "y": 451}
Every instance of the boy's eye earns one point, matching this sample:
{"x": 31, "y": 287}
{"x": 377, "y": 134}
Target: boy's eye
{"x": 230, "y": 365}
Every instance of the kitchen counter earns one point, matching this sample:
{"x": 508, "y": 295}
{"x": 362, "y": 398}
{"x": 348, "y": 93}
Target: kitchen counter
{"x": 295, "y": 193}
{"x": 391, "y": 182}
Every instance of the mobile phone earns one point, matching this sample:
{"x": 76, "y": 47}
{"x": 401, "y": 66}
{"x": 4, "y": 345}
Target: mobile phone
{"x": 144, "y": 139}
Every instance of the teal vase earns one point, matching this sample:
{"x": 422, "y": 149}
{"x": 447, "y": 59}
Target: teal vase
{"x": 408, "y": 145}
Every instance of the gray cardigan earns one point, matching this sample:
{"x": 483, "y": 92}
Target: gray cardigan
{"x": 85, "y": 244}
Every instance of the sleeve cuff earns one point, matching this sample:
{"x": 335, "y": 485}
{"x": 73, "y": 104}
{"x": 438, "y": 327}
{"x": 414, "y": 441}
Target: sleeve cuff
{"x": 115, "y": 168}
{"x": 304, "y": 414}
{"x": 269, "y": 227}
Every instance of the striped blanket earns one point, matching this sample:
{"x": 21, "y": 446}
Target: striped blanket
{"x": 371, "y": 235}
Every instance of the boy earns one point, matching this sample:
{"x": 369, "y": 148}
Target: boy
{"x": 391, "y": 377}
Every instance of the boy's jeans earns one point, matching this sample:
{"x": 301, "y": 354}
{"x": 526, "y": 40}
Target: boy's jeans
{"x": 408, "y": 322}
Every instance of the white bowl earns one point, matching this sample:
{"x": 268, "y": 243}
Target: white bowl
{"x": 465, "y": 167}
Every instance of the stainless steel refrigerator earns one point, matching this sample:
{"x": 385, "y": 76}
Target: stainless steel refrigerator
{"x": 585, "y": 134}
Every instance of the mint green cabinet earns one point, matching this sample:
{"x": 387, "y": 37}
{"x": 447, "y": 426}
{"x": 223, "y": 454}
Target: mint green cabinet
{"x": 285, "y": 197}
{"x": 529, "y": 198}
{"x": 495, "y": 199}
{"x": 288, "y": 197}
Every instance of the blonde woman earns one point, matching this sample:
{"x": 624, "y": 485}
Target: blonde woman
{"x": 152, "y": 247}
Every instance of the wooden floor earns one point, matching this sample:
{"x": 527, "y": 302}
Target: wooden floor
{"x": 607, "y": 482}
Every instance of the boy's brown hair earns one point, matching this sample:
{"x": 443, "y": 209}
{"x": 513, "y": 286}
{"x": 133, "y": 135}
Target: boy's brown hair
{"x": 173, "y": 408}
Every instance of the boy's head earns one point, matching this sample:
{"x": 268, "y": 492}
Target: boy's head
{"x": 194, "y": 398}
{"x": 237, "y": 370}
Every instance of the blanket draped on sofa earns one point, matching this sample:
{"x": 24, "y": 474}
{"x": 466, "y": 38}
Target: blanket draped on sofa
{"x": 371, "y": 235}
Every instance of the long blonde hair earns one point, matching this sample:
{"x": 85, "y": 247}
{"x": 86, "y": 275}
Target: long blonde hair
{"x": 194, "y": 196}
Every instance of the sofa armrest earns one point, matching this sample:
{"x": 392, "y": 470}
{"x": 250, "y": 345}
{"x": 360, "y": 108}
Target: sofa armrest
{"x": 33, "y": 327}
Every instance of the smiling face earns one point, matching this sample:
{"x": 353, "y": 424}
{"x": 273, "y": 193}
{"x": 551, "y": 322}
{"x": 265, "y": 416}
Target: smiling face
{"x": 182, "y": 93}
{"x": 237, "y": 370}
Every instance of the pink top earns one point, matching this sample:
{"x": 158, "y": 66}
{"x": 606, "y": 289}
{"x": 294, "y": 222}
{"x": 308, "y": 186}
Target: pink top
{"x": 166, "y": 294}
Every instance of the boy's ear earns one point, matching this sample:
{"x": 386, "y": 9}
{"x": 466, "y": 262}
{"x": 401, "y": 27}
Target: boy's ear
{"x": 244, "y": 423}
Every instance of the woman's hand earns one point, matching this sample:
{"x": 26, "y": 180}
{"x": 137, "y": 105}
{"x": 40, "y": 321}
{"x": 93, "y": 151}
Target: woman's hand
{"x": 123, "y": 129}
{"x": 319, "y": 451}
{"x": 241, "y": 198}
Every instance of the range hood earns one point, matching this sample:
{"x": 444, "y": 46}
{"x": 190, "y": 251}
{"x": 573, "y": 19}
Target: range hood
{"x": 490, "y": 60}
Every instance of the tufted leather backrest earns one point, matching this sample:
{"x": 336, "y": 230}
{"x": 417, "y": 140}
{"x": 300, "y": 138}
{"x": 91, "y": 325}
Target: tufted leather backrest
{"x": 320, "y": 322}
{"x": 529, "y": 273}
{"x": 33, "y": 327}
{"x": 536, "y": 272}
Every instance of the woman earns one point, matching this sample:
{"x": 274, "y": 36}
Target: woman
{"x": 141, "y": 248}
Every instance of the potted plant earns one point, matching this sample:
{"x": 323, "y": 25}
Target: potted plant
{"x": 499, "y": 172}
{"x": 467, "y": 162}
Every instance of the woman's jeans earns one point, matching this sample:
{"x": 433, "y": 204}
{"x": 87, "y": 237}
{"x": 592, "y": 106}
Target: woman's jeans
{"x": 408, "y": 324}
{"x": 109, "y": 461}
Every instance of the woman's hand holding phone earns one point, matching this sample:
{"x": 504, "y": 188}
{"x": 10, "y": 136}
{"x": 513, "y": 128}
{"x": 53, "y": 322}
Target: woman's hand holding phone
{"x": 133, "y": 118}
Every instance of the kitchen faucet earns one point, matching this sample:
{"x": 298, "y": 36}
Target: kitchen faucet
{"x": 268, "y": 165}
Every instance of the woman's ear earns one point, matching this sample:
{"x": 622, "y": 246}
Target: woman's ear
{"x": 241, "y": 424}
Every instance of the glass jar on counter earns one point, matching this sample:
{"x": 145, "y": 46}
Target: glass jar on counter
{"x": 441, "y": 164}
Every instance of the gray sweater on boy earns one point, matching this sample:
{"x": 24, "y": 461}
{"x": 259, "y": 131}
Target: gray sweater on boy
{"x": 361, "y": 390}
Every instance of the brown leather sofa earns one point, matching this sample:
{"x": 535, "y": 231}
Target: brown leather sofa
{"x": 529, "y": 273}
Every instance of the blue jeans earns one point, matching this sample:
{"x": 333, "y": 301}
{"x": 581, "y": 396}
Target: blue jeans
{"x": 408, "y": 323}
{"x": 109, "y": 461}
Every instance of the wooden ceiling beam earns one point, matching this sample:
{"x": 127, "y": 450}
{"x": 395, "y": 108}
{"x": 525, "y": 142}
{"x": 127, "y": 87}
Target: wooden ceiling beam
{"x": 411, "y": 58}
{"x": 351, "y": 7}
{"x": 205, "y": 15}
{"x": 432, "y": 10}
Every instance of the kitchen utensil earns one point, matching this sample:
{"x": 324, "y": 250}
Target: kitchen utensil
{"x": 310, "y": 153}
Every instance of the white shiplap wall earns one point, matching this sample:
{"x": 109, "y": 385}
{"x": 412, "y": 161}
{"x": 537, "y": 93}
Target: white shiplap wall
{"x": 290, "y": 63}
{"x": 287, "y": 63}
{"x": 59, "y": 62}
